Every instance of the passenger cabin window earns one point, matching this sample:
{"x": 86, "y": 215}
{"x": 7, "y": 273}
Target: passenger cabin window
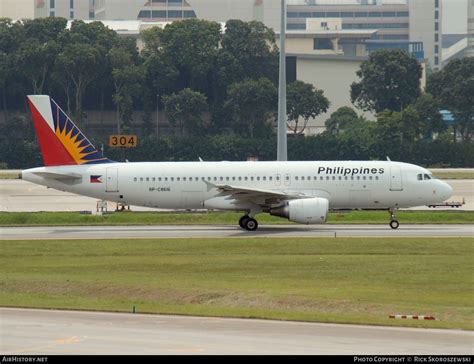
{"x": 419, "y": 177}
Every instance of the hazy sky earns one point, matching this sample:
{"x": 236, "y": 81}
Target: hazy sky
{"x": 454, "y": 16}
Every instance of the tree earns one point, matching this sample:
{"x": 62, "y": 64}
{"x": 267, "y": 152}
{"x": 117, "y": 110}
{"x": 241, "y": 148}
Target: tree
{"x": 102, "y": 39}
{"x": 36, "y": 61}
{"x": 430, "y": 119}
{"x": 192, "y": 45}
{"x": 45, "y": 30}
{"x": 11, "y": 35}
{"x": 390, "y": 79}
{"x": 79, "y": 63}
{"x": 252, "y": 46}
{"x": 453, "y": 87}
{"x": 304, "y": 101}
{"x": 251, "y": 103}
{"x": 37, "y": 52}
{"x": 342, "y": 119}
{"x": 185, "y": 109}
{"x": 127, "y": 83}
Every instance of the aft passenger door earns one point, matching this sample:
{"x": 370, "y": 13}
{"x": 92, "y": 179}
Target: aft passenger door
{"x": 396, "y": 183}
{"x": 111, "y": 183}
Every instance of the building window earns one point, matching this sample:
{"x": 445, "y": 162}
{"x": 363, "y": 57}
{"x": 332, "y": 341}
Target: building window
{"x": 189, "y": 14}
{"x": 436, "y": 49}
{"x": 361, "y": 14}
{"x": 402, "y": 14}
{"x": 436, "y": 37}
{"x": 375, "y": 14}
{"x": 296, "y": 26}
{"x": 437, "y": 61}
{"x": 436, "y": 26}
{"x": 436, "y": 3}
{"x": 436, "y": 14}
{"x": 322, "y": 44}
{"x": 158, "y": 14}
{"x": 52, "y": 13}
{"x": 145, "y": 14}
{"x": 71, "y": 14}
{"x": 71, "y": 4}
{"x": 389, "y": 14}
{"x": 175, "y": 2}
{"x": 333, "y": 15}
{"x": 175, "y": 14}
{"x": 52, "y": 4}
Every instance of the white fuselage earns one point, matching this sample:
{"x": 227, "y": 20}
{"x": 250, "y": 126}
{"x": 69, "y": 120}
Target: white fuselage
{"x": 180, "y": 185}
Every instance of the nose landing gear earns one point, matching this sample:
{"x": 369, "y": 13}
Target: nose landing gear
{"x": 248, "y": 223}
{"x": 394, "y": 224}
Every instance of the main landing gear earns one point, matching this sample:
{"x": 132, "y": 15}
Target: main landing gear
{"x": 248, "y": 223}
{"x": 394, "y": 224}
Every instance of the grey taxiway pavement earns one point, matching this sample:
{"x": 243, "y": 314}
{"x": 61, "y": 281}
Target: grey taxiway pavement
{"x": 230, "y": 231}
{"x": 27, "y": 331}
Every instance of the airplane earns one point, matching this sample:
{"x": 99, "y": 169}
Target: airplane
{"x": 302, "y": 192}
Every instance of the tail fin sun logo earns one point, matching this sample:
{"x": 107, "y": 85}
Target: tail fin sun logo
{"x": 80, "y": 148}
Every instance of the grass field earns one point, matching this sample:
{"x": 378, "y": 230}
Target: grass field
{"x": 345, "y": 280}
{"x": 9, "y": 175}
{"x": 159, "y": 218}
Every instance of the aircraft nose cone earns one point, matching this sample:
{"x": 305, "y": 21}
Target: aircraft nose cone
{"x": 447, "y": 191}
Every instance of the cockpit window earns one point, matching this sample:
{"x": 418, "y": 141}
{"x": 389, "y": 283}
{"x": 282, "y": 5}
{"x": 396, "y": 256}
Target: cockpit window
{"x": 421, "y": 177}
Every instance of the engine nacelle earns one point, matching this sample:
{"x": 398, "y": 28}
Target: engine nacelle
{"x": 304, "y": 211}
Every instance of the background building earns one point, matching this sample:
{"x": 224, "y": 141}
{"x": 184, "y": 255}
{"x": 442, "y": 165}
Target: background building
{"x": 31, "y": 9}
{"x": 266, "y": 11}
{"x": 399, "y": 24}
{"x": 470, "y": 29}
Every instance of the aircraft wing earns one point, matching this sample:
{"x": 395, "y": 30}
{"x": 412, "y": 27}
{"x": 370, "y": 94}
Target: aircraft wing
{"x": 258, "y": 196}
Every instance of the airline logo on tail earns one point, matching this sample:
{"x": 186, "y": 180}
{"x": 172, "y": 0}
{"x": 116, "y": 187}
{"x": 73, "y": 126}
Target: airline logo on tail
{"x": 61, "y": 142}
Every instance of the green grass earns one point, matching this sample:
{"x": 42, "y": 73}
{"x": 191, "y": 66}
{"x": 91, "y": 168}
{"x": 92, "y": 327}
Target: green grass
{"x": 345, "y": 280}
{"x": 215, "y": 218}
{"x": 9, "y": 175}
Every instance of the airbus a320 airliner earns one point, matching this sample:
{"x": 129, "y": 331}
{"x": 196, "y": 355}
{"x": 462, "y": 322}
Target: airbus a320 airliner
{"x": 302, "y": 192}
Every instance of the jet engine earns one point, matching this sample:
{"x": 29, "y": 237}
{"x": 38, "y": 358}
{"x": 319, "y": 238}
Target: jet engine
{"x": 304, "y": 211}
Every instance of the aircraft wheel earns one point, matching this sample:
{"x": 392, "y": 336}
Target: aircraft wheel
{"x": 394, "y": 224}
{"x": 242, "y": 221}
{"x": 250, "y": 224}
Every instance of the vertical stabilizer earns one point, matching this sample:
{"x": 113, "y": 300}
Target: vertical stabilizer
{"x": 61, "y": 142}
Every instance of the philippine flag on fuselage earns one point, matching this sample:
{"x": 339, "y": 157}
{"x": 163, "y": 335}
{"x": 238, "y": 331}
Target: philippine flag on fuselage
{"x": 96, "y": 179}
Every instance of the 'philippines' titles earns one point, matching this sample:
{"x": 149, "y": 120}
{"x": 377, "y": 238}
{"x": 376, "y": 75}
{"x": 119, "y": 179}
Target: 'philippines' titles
{"x": 350, "y": 171}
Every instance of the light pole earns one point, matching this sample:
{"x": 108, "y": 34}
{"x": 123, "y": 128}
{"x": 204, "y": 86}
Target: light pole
{"x": 282, "y": 155}
{"x": 157, "y": 114}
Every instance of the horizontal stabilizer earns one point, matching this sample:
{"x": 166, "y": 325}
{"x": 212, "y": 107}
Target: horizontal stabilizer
{"x": 58, "y": 176}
